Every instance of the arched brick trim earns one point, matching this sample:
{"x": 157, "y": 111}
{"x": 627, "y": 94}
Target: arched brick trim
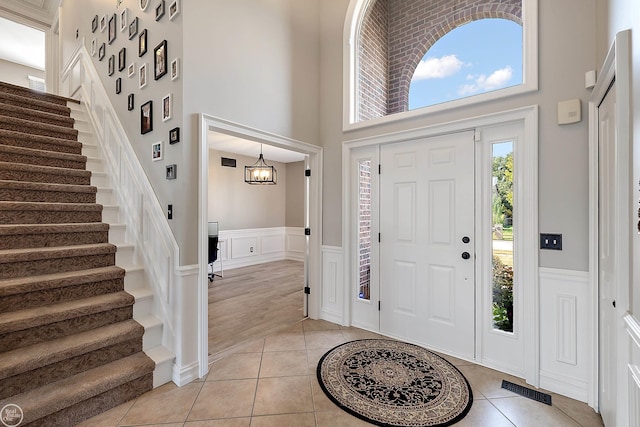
{"x": 396, "y": 34}
{"x": 373, "y": 53}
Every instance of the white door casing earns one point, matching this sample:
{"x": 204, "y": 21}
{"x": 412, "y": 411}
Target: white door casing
{"x": 427, "y": 285}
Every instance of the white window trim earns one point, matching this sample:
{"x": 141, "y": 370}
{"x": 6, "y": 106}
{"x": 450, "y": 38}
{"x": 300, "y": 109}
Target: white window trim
{"x": 352, "y": 25}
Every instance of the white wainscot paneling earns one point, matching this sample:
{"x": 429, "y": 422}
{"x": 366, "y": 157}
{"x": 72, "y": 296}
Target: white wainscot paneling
{"x": 242, "y": 248}
{"x": 565, "y": 328}
{"x": 296, "y": 243}
{"x": 332, "y": 301}
{"x": 633, "y": 372}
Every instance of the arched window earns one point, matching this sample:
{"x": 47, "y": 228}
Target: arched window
{"x": 478, "y": 57}
{"x": 388, "y": 40}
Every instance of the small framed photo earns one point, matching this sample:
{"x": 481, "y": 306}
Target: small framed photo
{"x": 94, "y": 47}
{"x": 122, "y": 59}
{"x": 156, "y": 151}
{"x": 174, "y": 135}
{"x": 166, "y": 107}
{"x": 142, "y": 43}
{"x": 103, "y": 23}
{"x": 142, "y": 75}
{"x": 144, "y": 4}
{"x": 133, "y": 28}
{"x": 160, "y": 60}
{"x": 171, "y": 172}
{"x": 160, "y": 10}
{"x": 174, "y": 9}
{"x": 146, "y": 117}
{"x": 123, "y": 19}
{"x": 118, "y": 85}
{"x": 112, "y": 65}
{"x": 94, "y": 24}
{"x": 131, "y": 70}
{"x": 130, "y": 102}
{"x": 102, "y": 51}
{"x": 112, "y": 28}
{"x": 175, "y": 69}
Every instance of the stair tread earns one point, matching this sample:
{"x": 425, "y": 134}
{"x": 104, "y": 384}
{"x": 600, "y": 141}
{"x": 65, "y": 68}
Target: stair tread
{"x": 41, "y": 186}
{"x": 46, "y": 169}
{"x": 49, "y": 206}
{"x": 55, "y": 280}
{"x": 38, "y": 316}
{"x": 12, "y": 229}
{"x": 36, "y": 104}
{"x": 42, "y": 153}
{"x": 35, "y": 356}
{"x": 34, "y": 94}
{"x": 37, "y": 115}
{"x": 160, "y": 354}
{"x": 61, "y": 394}
{"x": 35, "y": 254}
{"x": 43, "y": 139}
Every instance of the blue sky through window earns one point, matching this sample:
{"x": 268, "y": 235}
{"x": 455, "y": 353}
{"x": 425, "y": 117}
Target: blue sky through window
{"x": 481, "y": 56}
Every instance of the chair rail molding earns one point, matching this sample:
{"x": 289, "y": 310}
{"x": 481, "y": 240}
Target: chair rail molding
{"x": 174, "y": 286}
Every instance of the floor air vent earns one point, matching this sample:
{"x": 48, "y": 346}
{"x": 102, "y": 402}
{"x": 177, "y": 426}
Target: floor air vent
{"x": 527, "y": 392}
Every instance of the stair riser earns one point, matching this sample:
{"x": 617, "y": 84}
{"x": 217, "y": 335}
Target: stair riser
{"x": 45, "y": 297}
{"x": 28, "y": 141}
{"x": 28, "y": 94}
{"x": 64, "y": 328}
{"x": 44, "y": 131}
{"x": 48, "y": 217}
{"x": 96, "y": 405}
{"x": 23, "y": 195}
{"x": 47, "y": 107}
{"x": 11, "y": 270}
{"x": 50, "y": 240}
{"x": 24, "y": 176}
{"x": 68, "y": 367}
{"x": 29, "y": 159}
{"x": 27, "y": 115}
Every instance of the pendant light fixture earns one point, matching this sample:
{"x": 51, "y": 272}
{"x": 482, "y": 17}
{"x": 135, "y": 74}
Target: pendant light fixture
{"x": 260, "y": 172}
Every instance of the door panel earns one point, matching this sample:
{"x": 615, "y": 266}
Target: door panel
{"x": 427, "y": 290}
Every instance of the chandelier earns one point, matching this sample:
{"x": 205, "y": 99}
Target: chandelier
{"x": 260, "y": 172}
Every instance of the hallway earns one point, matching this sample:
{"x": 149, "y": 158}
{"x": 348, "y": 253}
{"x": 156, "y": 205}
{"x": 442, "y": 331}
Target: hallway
{"x": 272, "y": 382}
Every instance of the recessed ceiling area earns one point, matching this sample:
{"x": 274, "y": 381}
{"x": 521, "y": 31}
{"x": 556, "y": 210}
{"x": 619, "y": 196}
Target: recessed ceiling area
{"x": 231, "y": 144}
{"x": 21, "y": 44}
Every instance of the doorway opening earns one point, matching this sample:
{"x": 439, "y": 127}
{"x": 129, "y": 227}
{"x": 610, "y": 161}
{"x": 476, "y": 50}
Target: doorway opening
{"x": 263, "y": 247}
{"x": 22, "y": 55}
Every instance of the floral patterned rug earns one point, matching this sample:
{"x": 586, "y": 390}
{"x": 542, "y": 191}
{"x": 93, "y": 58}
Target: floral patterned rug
{"x": 392, "y": 383}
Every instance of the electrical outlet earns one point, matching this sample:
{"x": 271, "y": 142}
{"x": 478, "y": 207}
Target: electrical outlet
{"x": 551, "y": 241}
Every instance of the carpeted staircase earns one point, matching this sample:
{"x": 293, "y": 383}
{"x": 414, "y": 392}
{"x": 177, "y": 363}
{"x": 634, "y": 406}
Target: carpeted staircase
{"x": 69, "y": 347}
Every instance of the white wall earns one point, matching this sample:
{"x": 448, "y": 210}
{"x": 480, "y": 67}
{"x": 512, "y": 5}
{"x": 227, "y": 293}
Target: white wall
{"x": 17, "y": 74}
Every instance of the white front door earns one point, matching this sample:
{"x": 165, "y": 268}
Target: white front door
{"x": 427, "y": 257}
{"x": 607, "y": 256}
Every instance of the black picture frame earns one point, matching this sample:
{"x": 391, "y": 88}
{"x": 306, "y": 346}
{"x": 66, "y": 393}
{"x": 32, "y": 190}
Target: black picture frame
{"x": 160, "y": 60}
{"x": 101, "y": 52}
{"x": 142, "y": 43}
{"x": 160, "y": 10}
{"x": 133, "y": 28}
{"x": 118, "y": 85}
{"x": 130, "y": 102}
{"x": 146, "y": 117}
{"x": 171, "y": 172}
{"x": 174, "y": 135}
{"x": 122, "y": 59}
{"x": 112, "y": 65}
{"x": 94, "y": 24}
{"x": 112, "y": 28}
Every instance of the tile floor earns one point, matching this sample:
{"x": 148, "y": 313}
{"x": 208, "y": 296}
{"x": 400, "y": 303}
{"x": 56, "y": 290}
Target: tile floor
{"x": 272, "y": 382}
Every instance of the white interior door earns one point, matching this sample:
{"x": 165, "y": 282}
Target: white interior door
{"x": 607, "y": 257}
{"x": 427, "y": 257}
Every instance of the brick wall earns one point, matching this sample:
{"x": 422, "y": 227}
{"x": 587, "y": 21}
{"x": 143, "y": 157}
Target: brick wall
{"x": 373, "y": 53}
{"x": 364, "y": 228}
{"x": 412, "y": 27}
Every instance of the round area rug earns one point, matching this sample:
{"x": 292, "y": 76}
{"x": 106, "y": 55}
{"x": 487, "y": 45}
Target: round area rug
{"x": 392, "y": 383}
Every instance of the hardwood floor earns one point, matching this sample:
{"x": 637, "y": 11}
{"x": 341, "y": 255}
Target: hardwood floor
{"x": 253, "y": 302}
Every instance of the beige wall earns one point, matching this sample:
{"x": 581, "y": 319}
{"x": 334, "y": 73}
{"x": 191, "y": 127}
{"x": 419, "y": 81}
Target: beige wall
{"x": 17, "y": 74}
{"x": 237, "y": 205}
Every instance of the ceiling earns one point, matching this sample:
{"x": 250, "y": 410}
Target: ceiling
{"x": 235, "y": 145}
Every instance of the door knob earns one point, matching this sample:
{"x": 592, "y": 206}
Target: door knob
{"x": 466, "y": 239}
{"x": 465, "y": 255}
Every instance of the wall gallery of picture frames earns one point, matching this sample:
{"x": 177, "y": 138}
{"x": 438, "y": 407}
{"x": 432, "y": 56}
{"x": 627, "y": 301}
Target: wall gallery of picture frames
{"x": 105, "y": 28}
